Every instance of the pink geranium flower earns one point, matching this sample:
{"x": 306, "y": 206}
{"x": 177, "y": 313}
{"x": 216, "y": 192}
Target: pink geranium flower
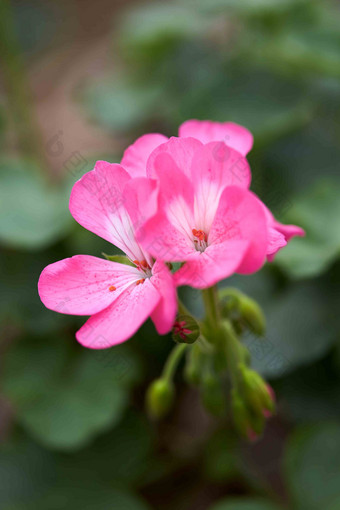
{"x": 118, "y": 297}
{"x": 206, "y": 216}
{"x": 239, "y": 138}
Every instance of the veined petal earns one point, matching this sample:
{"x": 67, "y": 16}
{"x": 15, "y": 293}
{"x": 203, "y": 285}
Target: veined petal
{"x": 214, "y": 264}
{"x": 136, "y": 155}
{"x": 83, "y": 285}
{"x": 119, "y": 321}
{"x": 214, "y": 167}
{"x": 141, "y": 200}
{"x": 233, "y": 135}
{"x": 163, "y": 241}
{"x": 181, "y": 150}
{"x": 176, "y": 193}
{"x": 164, "y": 314}
{"x": 240, "y": 215}
{"x": 168, "y": 235}
{"x": 97, "y": 203}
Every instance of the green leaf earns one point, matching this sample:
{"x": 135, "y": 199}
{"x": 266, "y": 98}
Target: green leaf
{"x": 277, "y": 106}
{"x": 151, "y": 30}
{"x": 26, "y": 471}
{"x": 318, "y": 212}
{"x": 335, "y": 505}
{"x": 34, "y": 479}
{"x": 303, "y": 48}
{"x": 122, "y": 105}
{"x": 89, "y": 497}
{"x": 32, "y": 215}
{"x": 311, "y": 394}
{"x": 311, "y": 466}
{"x": 122, "y": 454}
{"x": 246, "y": 7}
{"x": 302, "y": 324}
{"x": 64, "y": 400}
{"x": 244, "y": 504}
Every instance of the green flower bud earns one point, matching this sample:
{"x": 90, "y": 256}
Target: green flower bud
{"x": 159, "y": 398}
{"x": 238, "y": 307}
{"x": 257, "y": 392}
{"x": 186, "y": 330}
{"x": 252, "y": 314}
{"x": 240, "y": 413}
{"x": 246, "y": 422}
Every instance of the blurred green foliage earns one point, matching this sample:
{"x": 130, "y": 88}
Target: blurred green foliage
{"x": 78, "y": 437}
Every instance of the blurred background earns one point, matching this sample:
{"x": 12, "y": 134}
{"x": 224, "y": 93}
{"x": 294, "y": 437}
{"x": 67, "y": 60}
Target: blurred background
{"x": 80, "y": 80}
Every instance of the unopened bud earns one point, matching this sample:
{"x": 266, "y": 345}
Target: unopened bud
{"x": 240, "y": 414}
{"x": 252, "y": 314}
{"x": 257, "y": 392}
{"x": 185, "y": 330}
{"x": 159, "y": 398}
{"x": 246, "y": 422}
{"x": 242, "y": 310}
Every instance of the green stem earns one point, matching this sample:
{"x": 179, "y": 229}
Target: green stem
{"x": 234, "y": 350}
{"x": 211, "y": 306}
{"x": 18, "y": 92}
{"x": 173, "y": 361}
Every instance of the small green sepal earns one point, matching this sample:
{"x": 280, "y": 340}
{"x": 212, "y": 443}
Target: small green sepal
{"x": 159, "y": 398}
{"x": 121, "y": 259}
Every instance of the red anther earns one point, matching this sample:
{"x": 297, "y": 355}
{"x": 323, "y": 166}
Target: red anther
{"x": 144, "y": 264}
{"x": 112, "y": 288}
{"x": 138, "y": 282}
{"x": 136, "y": 262}
{"x": 202, "y": 236}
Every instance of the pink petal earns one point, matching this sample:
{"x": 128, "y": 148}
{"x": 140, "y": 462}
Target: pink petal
{"x": 279, "y": 234}
{"x": 289, "y": 231}
{"x": 168, "y": 235}
{"x": 233, "y": 135}
{"x": 174, "y": 185}
{"x": 164, "y": 314}
{"x": 163, "y": 240}
{"x": 214, "y": 167}
{"x": 136, "y": 155}
{"x": 217, "y": 164}
{"x": 276, "y": 240}
{"x": 241, "y": 216}
{"x": 214, "y": 264}
{"x": 83, "y": 285}
{"x": 97, "y": 202}
{"x": 181, "y": 150}
{"x": 141, "y": 200}
{"x": 120, "y": 321}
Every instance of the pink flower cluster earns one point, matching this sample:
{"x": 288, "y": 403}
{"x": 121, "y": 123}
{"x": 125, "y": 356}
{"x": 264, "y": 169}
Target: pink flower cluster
{"x": 185, "y": 199}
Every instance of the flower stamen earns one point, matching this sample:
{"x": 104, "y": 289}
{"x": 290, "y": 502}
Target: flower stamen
{"x": 144, "y": 267}
{"x": 201, "y": 241}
